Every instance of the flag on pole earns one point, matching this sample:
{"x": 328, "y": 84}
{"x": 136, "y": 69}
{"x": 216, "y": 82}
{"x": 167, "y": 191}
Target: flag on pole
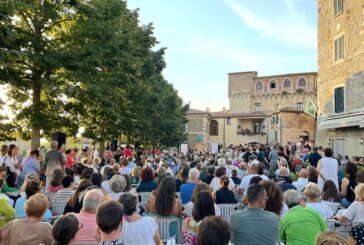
{"x": 310, "y": 108}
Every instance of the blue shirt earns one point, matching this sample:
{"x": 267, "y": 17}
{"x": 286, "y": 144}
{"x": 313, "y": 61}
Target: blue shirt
{"x": 20, "y": 211}
{"x": 186, "y": 192}
{"x": 30, "y": 166}
{"x": 131, "y": 164}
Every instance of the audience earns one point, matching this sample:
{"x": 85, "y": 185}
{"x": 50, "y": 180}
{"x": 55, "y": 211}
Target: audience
{"x": 254, "y": 225}
{"x": 253, "y": 171}
{"x": 302, "y": 180}
{"x": 56, "y": 183}
{"x": 275, "y": 201}
{"x": 210, "y": 176}
{"x": 165, "y": 203}
{"x": 327, "y": 169}
{"x": 187, "y": 188}
{"x": 31, "y": 188}
{"x": 109, "y": 220}
{"x": 355, "y": 212}
{"x": 224, "y": 195}
{"x": 203, "y": 207}
{"x": 313, "y": 194}
{"x": 87, "y": 216}
{"x": 107, "y": 175}
{"x": 117, "y": 186}
{"x": 331, "y": 238}
{"x": 189, "y": 206}
{"x": 215, "y": 183}
{"x": 356, "y": 235}
{"x": 65, "y": 229}
{"x": 348, "y": 184}
{"x": 147, "y": 183}
{"x": 6, "y": 210}
{"x": 137, "y": 229}
{"x": 300, "y": 225}
{"x": 75, "y": 203}
{"x": 31, "y": 229}
{"x": 63, "y": 195}
{"x": 213, "y": 231}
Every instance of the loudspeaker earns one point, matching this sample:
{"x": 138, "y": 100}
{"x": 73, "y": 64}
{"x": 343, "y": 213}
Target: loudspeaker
{"x": 60, "y": 138}
{"x": 114, "y": 145}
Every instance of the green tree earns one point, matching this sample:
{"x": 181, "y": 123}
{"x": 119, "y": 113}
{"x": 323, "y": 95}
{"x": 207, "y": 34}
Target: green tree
{"x": 30, "y": 48}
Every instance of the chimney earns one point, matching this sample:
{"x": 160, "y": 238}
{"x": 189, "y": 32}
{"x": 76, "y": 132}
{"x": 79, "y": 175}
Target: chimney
{"x": 207, "y": 109}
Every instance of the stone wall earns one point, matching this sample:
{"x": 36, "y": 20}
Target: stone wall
{"x": 332, "y": 73}
{"x": 346, "y": 72}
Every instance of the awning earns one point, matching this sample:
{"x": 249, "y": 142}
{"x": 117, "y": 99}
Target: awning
{"x": 342, "y": 122}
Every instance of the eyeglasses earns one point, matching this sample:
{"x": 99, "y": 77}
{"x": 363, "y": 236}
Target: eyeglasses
{"x": 80, "y": 226}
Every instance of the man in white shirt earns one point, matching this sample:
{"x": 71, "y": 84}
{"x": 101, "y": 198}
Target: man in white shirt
{"x": 302, "y": 181}
{"x": 253, "y": 171}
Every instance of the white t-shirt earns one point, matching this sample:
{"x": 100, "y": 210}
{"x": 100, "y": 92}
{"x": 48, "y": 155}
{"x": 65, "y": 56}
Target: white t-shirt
{"x": 11, "y": 162}
{"x": 139, "y": 232}
{"x": 215, "y": 184}
{"x": 125, "y": 170}
{"x": 355, "y": 212}
{"x": 322, "y": 208}
{"x": 246, "y": 181}
{"x": 189, "y": 208}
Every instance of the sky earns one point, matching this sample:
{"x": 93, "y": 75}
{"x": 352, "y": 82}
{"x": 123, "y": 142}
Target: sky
{"x": 207, "y": 39}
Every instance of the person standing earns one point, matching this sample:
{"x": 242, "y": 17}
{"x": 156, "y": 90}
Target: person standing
{"x": 327, "y": 169}
{"x": 13, "y": 165}
{"x": 273, "y": 157}
{"x": 314, "y": 157}
{"x": 244, "y": 223}
{"x": 54, "y": 160}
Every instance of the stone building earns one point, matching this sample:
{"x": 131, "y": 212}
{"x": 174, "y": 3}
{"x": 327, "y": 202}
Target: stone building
{"x": 341, "y": 76}
{"x": 263, "y": 109}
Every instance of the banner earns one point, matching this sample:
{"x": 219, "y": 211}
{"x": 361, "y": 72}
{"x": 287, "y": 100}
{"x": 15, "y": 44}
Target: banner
{"x": 310, "y": 108}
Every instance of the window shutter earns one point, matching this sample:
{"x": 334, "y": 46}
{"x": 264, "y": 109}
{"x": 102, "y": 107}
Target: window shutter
{"x": 339, "y": 100}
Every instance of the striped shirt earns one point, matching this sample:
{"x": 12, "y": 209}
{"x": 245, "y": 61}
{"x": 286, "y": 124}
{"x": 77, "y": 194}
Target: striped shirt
{"x": 86, "y": 233}
{"x": 64, "y": 195}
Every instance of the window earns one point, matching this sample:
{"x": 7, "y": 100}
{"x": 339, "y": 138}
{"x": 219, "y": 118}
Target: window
{"x": 258, "y": 107}
{"x": 338, "y": 7}
{"x": 339, "y": 98}
{"x": 275, "y": 119}
{"x": 256, "y": 127}
{"x": 273, "y": 84}
{"x": 228, "y": 120}
{"x": 287, "y": 83}
{"x": 299, "y": 105}
{"x": 302, "y": 82}
{"x": 214, "y": 128}
{"x": 259, "y": 86}
{"x": 339, "y": 48}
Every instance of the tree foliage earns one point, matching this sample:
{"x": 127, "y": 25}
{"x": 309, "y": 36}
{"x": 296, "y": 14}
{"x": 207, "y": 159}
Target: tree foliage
{"x": 89, "y": 64}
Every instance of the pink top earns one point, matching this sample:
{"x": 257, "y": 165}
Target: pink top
{"x": 86, "y": 234}
{"x": 54, "y": 188}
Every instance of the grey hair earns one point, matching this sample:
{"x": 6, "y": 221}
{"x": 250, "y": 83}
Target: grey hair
{"x": 117, "y": 183}
{"x": 292, "y": 197}
{"x": 221, "y": 161}
{"x": 193, "y": 173}
{"x": 54, "y": 145}
{"x": 92, "y": 200}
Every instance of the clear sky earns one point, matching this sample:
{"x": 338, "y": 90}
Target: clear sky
{"x": 206, "y": 39}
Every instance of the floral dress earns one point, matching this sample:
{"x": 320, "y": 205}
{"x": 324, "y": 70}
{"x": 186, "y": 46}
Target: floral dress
{"x": 189, "y": 231}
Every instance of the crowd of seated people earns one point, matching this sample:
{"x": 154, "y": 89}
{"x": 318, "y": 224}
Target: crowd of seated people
{"x": 275, "y": 192}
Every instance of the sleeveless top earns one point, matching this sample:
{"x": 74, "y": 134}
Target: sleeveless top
{"x": 190, "y": 233}
{"x": 329, "y": 169}
{"x": 350, "y": 195}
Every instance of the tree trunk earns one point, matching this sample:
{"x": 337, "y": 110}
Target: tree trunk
{"x": 35, "y": 142}
{"x": 102, "y": 148}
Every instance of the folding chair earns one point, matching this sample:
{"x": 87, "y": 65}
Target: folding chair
{"x": 227, "y": 210}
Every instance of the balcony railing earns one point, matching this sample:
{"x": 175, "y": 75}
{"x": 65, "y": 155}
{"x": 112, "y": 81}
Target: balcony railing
{"x": 249, "y": 132}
